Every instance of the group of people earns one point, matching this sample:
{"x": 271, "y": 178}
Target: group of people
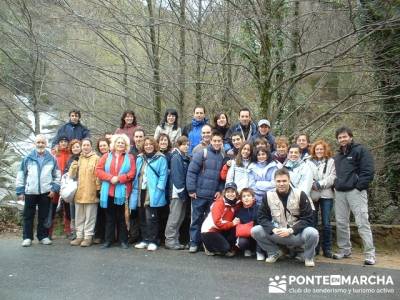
{"x": 244, "y": 190}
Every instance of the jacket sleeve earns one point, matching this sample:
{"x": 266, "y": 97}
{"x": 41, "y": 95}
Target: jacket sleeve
{"x": 228, "y": 135}
{"x": 264, "y": 217}
{"x": 224, "y": 174}
{"x": 306, "y": 214}
{"x": 21, "y": 179}
{"x": 366, "y": 169}
{"x": 85, "y": 132}
{"x": 56, "y": 177}
{"x": 264, "y": 185}
{"x": 252, "y": 179}
{"x": 100, "y": 172}
{"x": 193, "y": 173}
{"x": 157, "y": 132}
{"x": 217, "y": 213}
{"x": 163, "y": 173}
{"x": 124, "y": 178}
{"x": 72, "y": 172}
{"x": 177, "y": 172}
{"x": 330, "y": 176}
{"x": 185, "y": 131}
{"x": 307, "y": 179}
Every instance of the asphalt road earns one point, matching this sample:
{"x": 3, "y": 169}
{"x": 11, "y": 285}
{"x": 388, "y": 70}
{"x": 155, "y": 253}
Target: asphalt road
{"x": 64, "y": 272}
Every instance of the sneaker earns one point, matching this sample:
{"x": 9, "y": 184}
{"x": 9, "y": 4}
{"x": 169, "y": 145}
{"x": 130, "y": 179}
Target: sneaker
{"x": 124, "y": 245}
{"x": 369, "y": 260}
{"x": 230, "y": 253}
{"x": 97, "y": 241}
{"x": 309, "y": 262}
{"x": 152, "y": 247}
{"x": 141, "y": 245}
{"x": 247, "y": 253}
{"x": 341, "y": 255}
{"x": 260, "y": 256}
{"x": 193, "y": 249}
{"x": 175, "y": 247}
{"x": 106, "y": 245}
{"x": 86, "y": 243}
{"x": 274, "y": 257}
{"x": 209, "y": 253}
{"x": 46, "y": 241}
{"x": 328, "y": 254}
{"x": 26, "y": 243}
{"x": 76, "y": 242}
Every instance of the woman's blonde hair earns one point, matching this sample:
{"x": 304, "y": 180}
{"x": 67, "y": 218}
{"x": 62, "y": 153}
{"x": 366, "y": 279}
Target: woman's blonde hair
{"x": 117, "y": 137}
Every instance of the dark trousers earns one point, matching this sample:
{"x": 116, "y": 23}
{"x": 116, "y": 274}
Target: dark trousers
{"x": 246, "y": 243}
{"x": 325, "y": 205}
{"x": 43, "y": 203}
{"x": 134, "y": 226}
{"x": 115, "y": 216}
{"x": 199, "y": 210}
{"x": 100, "y": 227}
{"x": 149, "y": 221}
{"x": 219, "y": 241}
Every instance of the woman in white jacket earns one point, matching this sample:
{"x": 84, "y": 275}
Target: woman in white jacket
{"x": 239, "y": 170}
{"x": 322, "y": 194}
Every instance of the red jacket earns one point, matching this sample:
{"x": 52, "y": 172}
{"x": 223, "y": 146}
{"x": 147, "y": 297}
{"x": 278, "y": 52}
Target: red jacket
{"x": 62, "y": 157}
{"x": 224, "y": 172}
{"x": 220, "y": 217}
{"x": 126, "y": 178}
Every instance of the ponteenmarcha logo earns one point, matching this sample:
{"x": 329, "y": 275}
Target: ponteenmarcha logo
{"x": 277, "y": 285}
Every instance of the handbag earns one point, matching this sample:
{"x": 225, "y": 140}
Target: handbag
{"x": 244, "y": 230}
{"x": 68, "y": 188}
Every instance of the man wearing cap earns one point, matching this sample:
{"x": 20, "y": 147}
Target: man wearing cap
{"x": 264, "y": 132}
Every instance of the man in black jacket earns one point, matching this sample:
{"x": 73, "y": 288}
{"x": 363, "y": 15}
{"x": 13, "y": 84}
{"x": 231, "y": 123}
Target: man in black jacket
{"x": 354, "y": 171}
{"x": 285, "y": 217}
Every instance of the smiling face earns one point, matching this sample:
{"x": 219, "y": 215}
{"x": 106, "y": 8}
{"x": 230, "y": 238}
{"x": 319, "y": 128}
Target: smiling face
{"x": 163, "y": 143}
{"x": 138, "y": 138}
{"x": 302, "y": 142}
{"x": 262, "y": 156}
{"x": 282, "y": 149}
{"x": 171, "y": 119}
{"x": 199, "y": 114}
{"x": 344, "y": 139}
{"x": 74, "y": 118}
{"x": 244, "y": 118}
{"x": 222, "y": 120}
{"x": 86, "y": 147}
{"x": 148, "y": 147}
{"x": 294, "y": 154}
{"x": 206, "y": 134}
{"x": 282, "y": 184}
{"x": 63, "y": 144}
{"x": 76, "y": 149}
{"x": 247, "y": 199}
{"x": 246, "y": 151}
{"x": 237, "y": 141}
{"x": 230, "y": 194}
{"x": 129, "y": 118}
{"x": 216, "y": 142}
{"x": 319, "y": 151}
{"x": 263, "y": 129}
{"x": 104, "y": 147}
{"x": 40, "y": 145}
{"x": 120, "y": 145}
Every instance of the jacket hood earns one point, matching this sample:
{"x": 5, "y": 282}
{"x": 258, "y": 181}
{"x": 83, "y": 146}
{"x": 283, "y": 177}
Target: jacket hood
{"x": 196, "y": 123}
{"x": 33, "y": 153}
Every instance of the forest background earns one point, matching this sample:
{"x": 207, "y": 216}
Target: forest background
{"x": 307, "y": 66}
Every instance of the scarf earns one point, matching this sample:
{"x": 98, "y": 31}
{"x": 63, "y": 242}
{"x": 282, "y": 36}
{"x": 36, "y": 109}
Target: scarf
{"x": 291, "y": 165}
{"x": 120, "y": 188}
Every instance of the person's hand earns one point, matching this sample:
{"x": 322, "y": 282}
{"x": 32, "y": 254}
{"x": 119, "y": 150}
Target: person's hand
{"x": 193, "y": 195}
{"x": 114, "y": 180}
{"x": 21, "y": 198}
{"x": 217, "y": 195}
{"x": 282, "y": 232}
{"x": 236, "y": 221}
{"x": 52, "y": 195}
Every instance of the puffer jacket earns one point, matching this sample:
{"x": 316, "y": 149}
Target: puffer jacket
{"x": 301, "y": 177}
{"x": 262, "y": 178}
{"x": 325, "y": 179}
{"x": 88, "y": 183}
{"x": 203, "y": 173}
{"x": 193, "y": 132}
{"x": 239, "y": 175}
{"x": 34, "y": 178}
{"x": 156, "y": 180}
{"x": 354, "y": 168}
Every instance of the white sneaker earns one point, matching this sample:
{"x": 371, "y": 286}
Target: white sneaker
{"x": 152, "y": 247}
{"x": 46, "y": 241}
{"x": 309, "y": 262}
{"x": 369, "y": 260}
{"x": 141, "y": 245}
{"x": 260, "y": 256}
{"x": 247, "y": 253}
{"x": 274, "y": 257}
{"x": 26, "y": 243}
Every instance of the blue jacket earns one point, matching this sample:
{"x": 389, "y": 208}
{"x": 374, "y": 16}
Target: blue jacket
{"x": 71, "y": 131}
{"x": 35, "y": 178}
{"x": 179, "y": 167}
{"x": 248, "y": 214}
{"x": 269, "y": 137}
{"x": 155, "y": 182}
{"x": 261, "y": 178}
{"x": 203, "y": 173}
{"x": 193, "y": 133}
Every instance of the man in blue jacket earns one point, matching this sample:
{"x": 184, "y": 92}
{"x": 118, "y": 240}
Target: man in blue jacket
{"x": 354, "y": 172}
{"x": 245, "y": 126}
{"x": 203, "y": 185}
{"x": 72, "y": 129}
{"x": 193, "y": 130}
{"x": 38, "y": 180}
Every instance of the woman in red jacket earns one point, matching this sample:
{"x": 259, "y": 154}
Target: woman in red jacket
{"x": 218, "y": 229}
{"x": 116, "y": 170}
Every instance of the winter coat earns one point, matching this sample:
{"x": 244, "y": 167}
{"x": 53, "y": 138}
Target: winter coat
{"x": 247, "y": 214}
{"x": 238, "y": 128}
{"x": 168, "y": 129}
{"x": 324, "y": 174}
{"x": 262, "y": 178}
{"x": 193, "y": 132}
{"x": 220, "y": 217}
{"x": 179, "y": 167}
{"x": 62, "y": 157}
{"x": 35, "y": 178}
{"x": 71, "y": 131}
{"x": 239, "y": 175}
{"x": 269, "y": 137}
{"x": 203, "y": 173}
{"x": 157, "y": 176}
{"x": 88, "y": 183}
{"x": 354, "y": 168}
{"x": 301, "y": 177}
{"x": 114, "y": 171}
{"x": 128, "y": 130}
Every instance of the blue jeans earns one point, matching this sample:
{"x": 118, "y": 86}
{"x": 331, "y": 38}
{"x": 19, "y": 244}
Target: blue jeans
{"x": 200, "y": 209}
{"x": 325, "y": 205}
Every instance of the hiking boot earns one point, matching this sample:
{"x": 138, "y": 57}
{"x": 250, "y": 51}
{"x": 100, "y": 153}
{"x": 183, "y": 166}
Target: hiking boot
{"x": 141, "y": 245}
{"x": 76, "y": 242}
{"x": 342, "y": 254}
{"x": 260, "y": 256}
{"x": 26, "y": 243}
{"x": 274, "y": 257}
{"x": 309, "y": 262}
{"x": 86, "y": 242}
{"x": 369, "y": 260}
{"x": 46, "y": 241}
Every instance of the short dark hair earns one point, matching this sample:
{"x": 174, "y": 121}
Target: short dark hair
{"x": 300, "y": 134}
{"x": 75, "y": 111}
{"x": 199, "y": 106}
{"x": 247, "y": 190}
{"x": 281, "y": 172}
{"x": 244, "y": 109}
{"x": 88, "y": 140}
{"x": 237, "y": 133}
{"x": 217, "y": 133}
{"x": 182, "y": 140}
{"x": 294, "y": 146}
{"x": 344, "y": 129}
{"x": 139, "y": 129}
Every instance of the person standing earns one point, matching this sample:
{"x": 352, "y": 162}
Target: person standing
{"x": 245, "y": 126}
{"x": 128, "y": 125}
{"x": 38, "y": 179}
{"x": 354, "y": 172}
{"x": 169, "y": 126}
{"x": 205, "y": 139}
{"x": 193, "y": 130}
{"x": 264, "y": 132}
{"x": 72, "y": 129}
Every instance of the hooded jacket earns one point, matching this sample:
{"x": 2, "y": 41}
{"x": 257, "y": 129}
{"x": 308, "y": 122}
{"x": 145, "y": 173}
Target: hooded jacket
{"x": 262, "y": 178}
